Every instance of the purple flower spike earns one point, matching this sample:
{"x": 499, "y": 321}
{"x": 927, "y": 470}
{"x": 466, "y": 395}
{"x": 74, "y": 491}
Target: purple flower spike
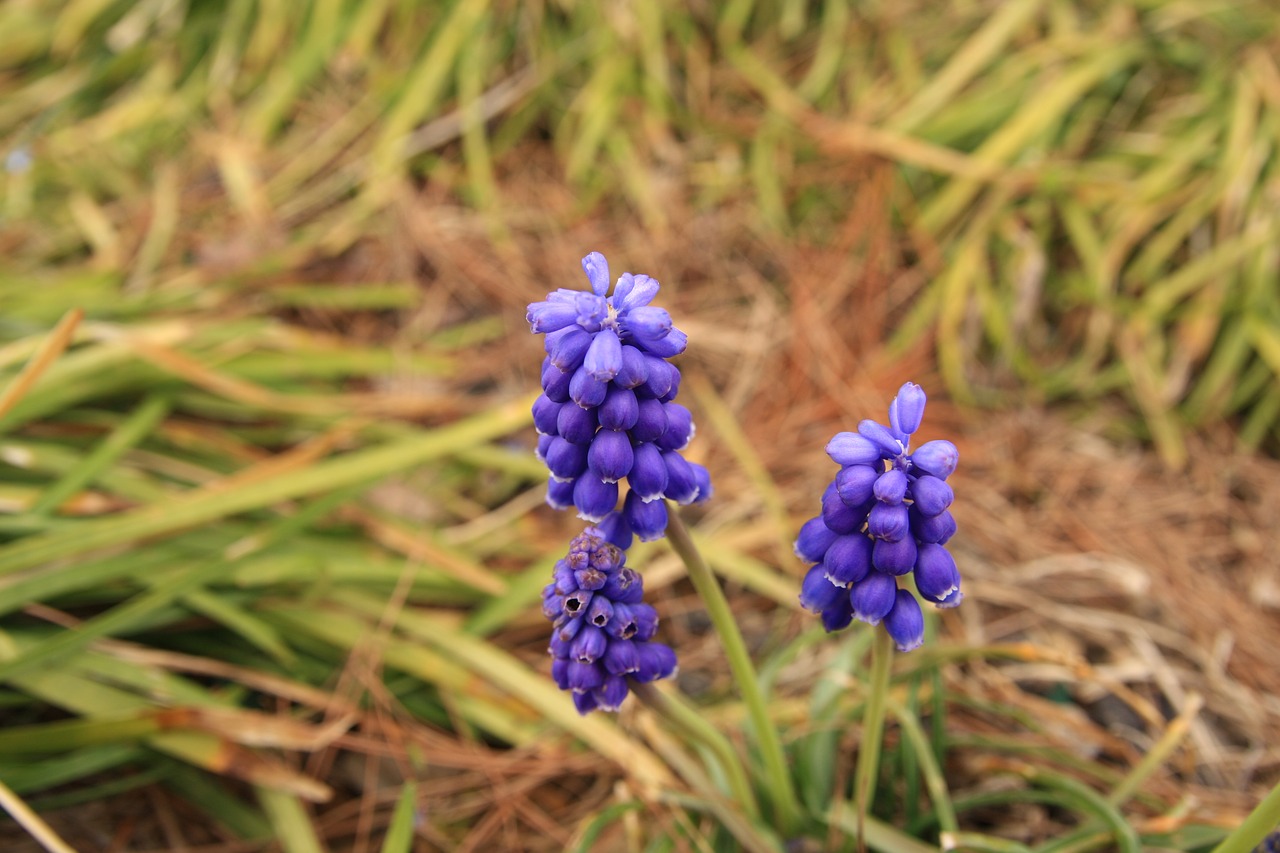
{"x": 608, "y": 641}
{"x": 884, "y": 516}
{"x": 607, "y": 386}
{"x": 905, "y": 622}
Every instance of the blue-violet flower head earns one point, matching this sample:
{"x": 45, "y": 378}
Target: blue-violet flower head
{"x": 607, "y": 412}
{"x": 602, "y": 633}
{"x": 885, "y": 515}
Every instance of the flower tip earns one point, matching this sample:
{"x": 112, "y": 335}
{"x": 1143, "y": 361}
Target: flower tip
{"x": 907, "y": 409}
{"x": 597, "y": 270}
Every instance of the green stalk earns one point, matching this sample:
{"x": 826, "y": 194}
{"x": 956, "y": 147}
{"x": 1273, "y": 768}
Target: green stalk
{"x": 735, "y": 649}
{"x": 1260, "y": 821}
{"x": 693, "y": 724}
{"x": 872, "y": 730}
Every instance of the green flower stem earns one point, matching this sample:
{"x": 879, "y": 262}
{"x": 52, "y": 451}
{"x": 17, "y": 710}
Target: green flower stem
{"x": 872, "y": 729}
{"x": 1260, "y": 821}
{"x": 676, "y": 711}
{"x": 744, "y": 674}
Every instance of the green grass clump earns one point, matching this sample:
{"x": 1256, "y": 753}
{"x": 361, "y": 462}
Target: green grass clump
{"x": 1086, "y": 188}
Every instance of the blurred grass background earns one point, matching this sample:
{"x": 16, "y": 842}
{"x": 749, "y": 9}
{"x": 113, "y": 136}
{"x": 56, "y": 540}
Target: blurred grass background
{"x": 302, "y": 234}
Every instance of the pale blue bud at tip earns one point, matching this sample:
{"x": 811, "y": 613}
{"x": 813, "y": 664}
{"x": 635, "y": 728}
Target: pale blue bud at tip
{"x": 907, "y": 409}
{"x": 597, "y": 270}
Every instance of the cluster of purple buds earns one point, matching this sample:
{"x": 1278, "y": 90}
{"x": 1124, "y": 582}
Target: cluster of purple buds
{"x": 884, "y": 516}
{"x": 607, "y": 410}
{"x": 602, "y": 634}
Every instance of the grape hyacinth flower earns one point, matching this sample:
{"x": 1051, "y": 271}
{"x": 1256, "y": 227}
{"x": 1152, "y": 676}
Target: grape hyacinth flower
{"x": 884, "y": 516}
{"x": 602, "y": 634}
{"x": 607, "y": 411}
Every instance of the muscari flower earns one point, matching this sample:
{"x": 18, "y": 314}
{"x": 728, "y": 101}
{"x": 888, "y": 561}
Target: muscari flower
{"x": 884, "y": 516}
{"x": 607, "y": 412}
{"x": 603, "y": 633}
